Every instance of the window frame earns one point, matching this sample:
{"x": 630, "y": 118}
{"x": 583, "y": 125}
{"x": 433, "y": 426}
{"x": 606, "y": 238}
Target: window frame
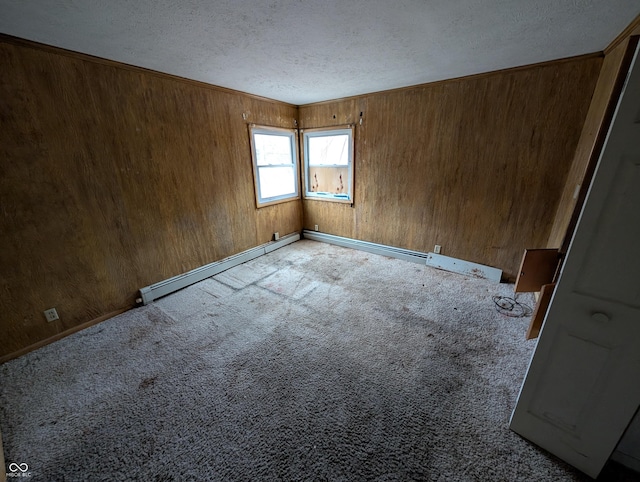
{"x": 349, "y": 130}
{"x": 293, "y": 138}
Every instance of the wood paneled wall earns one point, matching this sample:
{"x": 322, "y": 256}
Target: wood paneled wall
{"x": 605, "y": 98}
{"x": 113, "y": 178}
{"x": 476, "y": 165}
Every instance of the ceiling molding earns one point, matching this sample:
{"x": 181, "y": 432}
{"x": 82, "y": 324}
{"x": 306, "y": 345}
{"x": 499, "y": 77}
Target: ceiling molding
{"x": 305, "y": 52}
{"x": 632, "y": 28}
{"x": 463, "y": 78}
{"x": 112, "y": 63}
{"x": 9, "y": 39}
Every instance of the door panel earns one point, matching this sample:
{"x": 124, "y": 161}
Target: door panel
{"x": 583, "y": 384}
{"x": 562, "y": 394}
{"x": 614, "y": 245}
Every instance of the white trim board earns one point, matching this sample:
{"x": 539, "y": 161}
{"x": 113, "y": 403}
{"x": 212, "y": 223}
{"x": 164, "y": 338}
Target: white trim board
{"x": 168, "y": 286}
{"x": 381, "y": 249}
{"x": 464, "y": 267}
{"x": 430, "y": 259}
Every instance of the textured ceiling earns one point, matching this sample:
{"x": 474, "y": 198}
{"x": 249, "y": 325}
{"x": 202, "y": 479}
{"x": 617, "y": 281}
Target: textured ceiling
{"x": 303, "y": 51}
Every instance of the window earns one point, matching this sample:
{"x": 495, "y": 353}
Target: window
{"x": 328, "y": 164}
{"x": 275, "y": 164}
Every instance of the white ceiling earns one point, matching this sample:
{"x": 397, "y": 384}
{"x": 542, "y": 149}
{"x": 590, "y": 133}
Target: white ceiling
{"x": 304, "y": 51}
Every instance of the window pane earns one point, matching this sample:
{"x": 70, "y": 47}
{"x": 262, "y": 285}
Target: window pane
{"x": 329, "y": 150}
{"x": 272, "y": 149}
{"x": 276, "y": 181}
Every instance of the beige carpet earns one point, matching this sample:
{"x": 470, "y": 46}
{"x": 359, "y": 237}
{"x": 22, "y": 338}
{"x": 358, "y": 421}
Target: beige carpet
{"x": 313, "y": 362}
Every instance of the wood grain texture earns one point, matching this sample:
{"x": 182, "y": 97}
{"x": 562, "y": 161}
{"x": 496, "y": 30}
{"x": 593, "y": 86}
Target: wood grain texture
{"x": 17, "y": 41}
{"x": 592, "y": 137}
{"x": 537, "y": 269}
{"x": 457, "y": 79}
{"x": 112, "y": 179}
{"x": 475, "y": 165}
{"x": 632, "y": 29}
{"x": 333, "y": 217}
{"x": 540, "y": 311}
{"x": 282, "y": 218}
{"x": 62, "y": 334}
{"x": 331, "y": 114}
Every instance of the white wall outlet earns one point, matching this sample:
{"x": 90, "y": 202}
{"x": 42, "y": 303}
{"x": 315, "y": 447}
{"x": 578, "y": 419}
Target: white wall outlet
{"x": 316, "y": 228}
{"x": 51, "y": 315}
{"x": 276, "y": 236}
{"x": 437, "y": 249}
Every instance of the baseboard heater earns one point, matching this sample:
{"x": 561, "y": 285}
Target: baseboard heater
{"x": 168, "y": 286}
{"x": 438, "y": 261}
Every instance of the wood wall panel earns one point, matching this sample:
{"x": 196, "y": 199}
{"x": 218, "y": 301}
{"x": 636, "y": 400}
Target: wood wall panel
{"x": 331, "y": 217}
{"x": 331, "y": 113}
{"x": 282, "y": 218}
{"x": 596, "y": 126}
{"x": 476, "y": 165}
{"x": 112, "y": 179}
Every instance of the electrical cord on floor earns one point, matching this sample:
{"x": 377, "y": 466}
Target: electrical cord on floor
{"x": 510, "y": 307}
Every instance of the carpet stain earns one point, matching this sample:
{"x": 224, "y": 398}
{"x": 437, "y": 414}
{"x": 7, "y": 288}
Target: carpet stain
{"x": 147, "y": 382}
{"x": 367, "y": 376}
{"x": 157, "y": 316}
{"x": 139, "y": 334}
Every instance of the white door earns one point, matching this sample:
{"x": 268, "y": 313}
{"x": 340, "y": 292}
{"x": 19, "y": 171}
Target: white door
{"x": 583, "y": 383}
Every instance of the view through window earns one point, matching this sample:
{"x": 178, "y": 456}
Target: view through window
{"x": 328, "y": 164}
{"x": 275, "y": 164}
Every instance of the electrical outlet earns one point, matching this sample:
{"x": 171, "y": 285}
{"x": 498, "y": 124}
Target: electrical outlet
{"x": 437, "y": 249}
{"x": 276, "y": 236}
{"x": 316, "y": 228}
{"x": 51, "y": 315}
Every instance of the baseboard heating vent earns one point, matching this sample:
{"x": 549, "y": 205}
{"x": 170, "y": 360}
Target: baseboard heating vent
{"x": 168, "y": 286}
{"x": 381, "y": 249}
{"x": 430, "y": 259}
